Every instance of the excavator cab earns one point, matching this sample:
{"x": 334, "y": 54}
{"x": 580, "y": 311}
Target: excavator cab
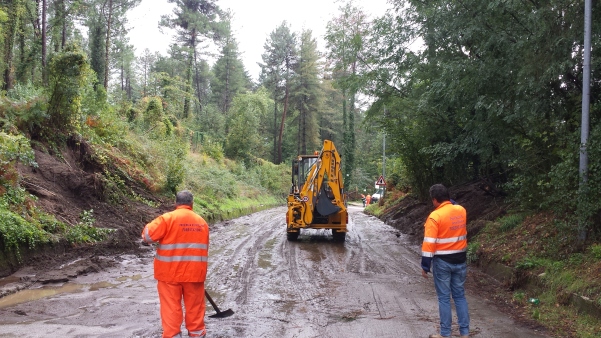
{"x": 301, "y": 167}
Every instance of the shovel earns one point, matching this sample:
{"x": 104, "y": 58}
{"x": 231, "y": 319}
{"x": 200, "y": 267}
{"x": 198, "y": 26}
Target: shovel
{"x": 219, "y": 314}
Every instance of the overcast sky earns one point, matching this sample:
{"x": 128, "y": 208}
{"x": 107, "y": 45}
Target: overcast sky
{"x": 253, "y": 21}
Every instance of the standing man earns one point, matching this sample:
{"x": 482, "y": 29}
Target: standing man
{"x": 180, "y": 266}
{"x": 445, "y": 249}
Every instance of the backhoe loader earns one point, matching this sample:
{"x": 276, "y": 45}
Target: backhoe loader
{"x": 317, "y": 199}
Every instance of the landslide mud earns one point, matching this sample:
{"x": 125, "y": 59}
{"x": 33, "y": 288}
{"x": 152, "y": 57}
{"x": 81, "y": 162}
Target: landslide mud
{"x": 369, "y": 286}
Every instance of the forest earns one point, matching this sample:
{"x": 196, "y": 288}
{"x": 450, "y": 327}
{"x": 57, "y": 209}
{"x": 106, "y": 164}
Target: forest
{"x": 460, "y": 90}
{"x": 434, "y": 91}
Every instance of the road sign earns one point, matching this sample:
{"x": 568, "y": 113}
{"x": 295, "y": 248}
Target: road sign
{"x": 381, "y": 181}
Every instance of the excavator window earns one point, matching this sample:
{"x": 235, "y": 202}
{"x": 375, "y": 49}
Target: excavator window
{"x": 304, "y": 166}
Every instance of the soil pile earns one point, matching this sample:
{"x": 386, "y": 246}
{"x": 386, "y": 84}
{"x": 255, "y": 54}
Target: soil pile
{"x": 72, "y": 181}
{"x": 480, "y": 198}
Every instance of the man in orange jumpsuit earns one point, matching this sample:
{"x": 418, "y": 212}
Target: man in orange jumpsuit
{"x": 180, "y": 266}
{"x": 444, "y": 250}
{"x": 367, "y": 199}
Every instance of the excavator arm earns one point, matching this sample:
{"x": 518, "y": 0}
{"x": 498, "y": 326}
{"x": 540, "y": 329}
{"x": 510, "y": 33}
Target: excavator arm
{"x": 320, "y": 201}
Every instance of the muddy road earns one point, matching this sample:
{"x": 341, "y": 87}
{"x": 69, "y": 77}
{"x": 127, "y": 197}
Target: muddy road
{"x": 369, "y": 286}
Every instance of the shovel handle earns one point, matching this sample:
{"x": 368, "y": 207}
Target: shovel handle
{"x": 212, "y": 302}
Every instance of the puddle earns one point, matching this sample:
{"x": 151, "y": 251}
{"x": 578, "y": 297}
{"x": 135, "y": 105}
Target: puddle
{"x": 101, "y": 285}
{"x": 265, "y": 254}
{"x": 25, "y": 296}
{"x": 35, "y": 294}
{"x": 124, "y": 278}
{"x": 10, "y": 279}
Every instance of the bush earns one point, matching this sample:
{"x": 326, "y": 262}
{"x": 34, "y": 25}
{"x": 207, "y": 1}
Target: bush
{"x": 24, "y": 109}
{"x": 16, "y": 231}
{"x": 85, "y": 232}
{"x": 68, "y": 72}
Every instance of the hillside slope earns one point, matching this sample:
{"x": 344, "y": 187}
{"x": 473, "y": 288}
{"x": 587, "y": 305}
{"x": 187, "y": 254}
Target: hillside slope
{"x": 481, "y": 200}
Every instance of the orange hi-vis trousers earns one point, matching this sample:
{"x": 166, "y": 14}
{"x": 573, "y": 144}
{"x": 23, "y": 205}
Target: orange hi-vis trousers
{"x": 170, "y": 296}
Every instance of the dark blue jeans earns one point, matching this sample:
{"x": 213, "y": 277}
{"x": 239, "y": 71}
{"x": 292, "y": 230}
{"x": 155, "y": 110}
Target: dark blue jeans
{"x": 449, "y": 280}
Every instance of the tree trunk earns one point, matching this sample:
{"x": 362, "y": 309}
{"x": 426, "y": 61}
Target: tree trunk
{"x": 197, "y": 81}
{"x": 286, "y": 94}
{"x": 44, "y": 77}
{"x": 188, "y": 90}
{"x": 64, "y": 24}
{"x": 344, "y": 131}
{"x": 122, "y": 75}
{"x": 107, "y": 44}
{"x": 275, "y": 126}
{"x": 11, "y": 30}
{"x": 227, "y": 92}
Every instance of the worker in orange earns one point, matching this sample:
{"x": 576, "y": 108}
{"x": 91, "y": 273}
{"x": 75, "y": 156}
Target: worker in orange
{"x": 445, "y": 251}
{"x": 180, "y": 266}
{"x": 367, "y": 199}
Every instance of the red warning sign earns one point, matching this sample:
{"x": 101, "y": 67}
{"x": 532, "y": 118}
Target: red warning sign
{"x": 381, "y": 181}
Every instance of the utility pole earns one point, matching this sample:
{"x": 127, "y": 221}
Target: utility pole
{"x": 586, "y": 82}
{"x": 384, "y": 155}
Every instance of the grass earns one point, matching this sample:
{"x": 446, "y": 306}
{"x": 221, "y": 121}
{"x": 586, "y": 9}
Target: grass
{"x": 544, "y": 251}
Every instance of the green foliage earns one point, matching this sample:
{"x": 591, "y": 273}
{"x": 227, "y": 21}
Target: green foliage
{"x": 230, "y": 78}
{"x": 596, "y": 251}
{"x": 472, "y": 252}
{"x": 15, "y": 148}
{"x": 520, "y": 297}
{"x": 176, "y": 153}
{"x": 495, "y": 97}
{"x": 24, "y": 109}
{"x": 576, "y": 258}
{"x": 275, "y": 179}
{"x": 68, "y": 73}
{"x": 510, "y": 222}
{"x": 3, "y": 19}
{"x": 16, "y": 231}
{"x": 153, "y": 114}
{"x": 85, "y": 232}
{"x": 527, "y": 263}
{"x": 243, "y": 139}
{"x": 213, "y": 149}
{"x": 212, "y": 182}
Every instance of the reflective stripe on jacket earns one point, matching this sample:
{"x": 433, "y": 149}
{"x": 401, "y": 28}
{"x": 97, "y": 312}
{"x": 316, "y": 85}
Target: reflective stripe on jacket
{"x": 445, "y": 231}
{"x": 183, "y": 249}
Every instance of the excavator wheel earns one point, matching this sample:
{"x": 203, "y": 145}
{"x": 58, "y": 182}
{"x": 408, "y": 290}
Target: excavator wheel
{"x": 292, "y": 236}
{"x": 339, "y": 236}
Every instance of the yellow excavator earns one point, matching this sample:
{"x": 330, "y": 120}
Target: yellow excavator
{"x": 317, "y": 199}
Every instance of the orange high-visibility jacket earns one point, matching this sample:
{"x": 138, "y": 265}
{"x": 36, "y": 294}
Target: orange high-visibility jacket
{"x": 445, "y": 231}
{"x": 183, "y": 249}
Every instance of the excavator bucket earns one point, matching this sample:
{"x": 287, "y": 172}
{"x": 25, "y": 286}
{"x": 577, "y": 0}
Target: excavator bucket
{"x": 324, "y": 205}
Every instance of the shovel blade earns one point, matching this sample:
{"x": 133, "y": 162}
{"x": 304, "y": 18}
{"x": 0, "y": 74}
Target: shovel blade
{"x": 223, "y": 314}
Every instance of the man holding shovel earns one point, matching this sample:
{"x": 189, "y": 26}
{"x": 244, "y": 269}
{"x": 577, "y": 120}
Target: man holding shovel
{"x": 180, "y": 266}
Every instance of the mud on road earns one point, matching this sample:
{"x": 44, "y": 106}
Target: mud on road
{"x": 369, "y": 286}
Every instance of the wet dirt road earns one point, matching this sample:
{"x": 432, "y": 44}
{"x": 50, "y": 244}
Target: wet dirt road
{"x": 369, "y": 286}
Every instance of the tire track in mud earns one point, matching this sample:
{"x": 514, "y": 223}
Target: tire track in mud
{"x": 242, "y": 242}
{"x": 369, "y": 255}
{"x": 368, "y": 286}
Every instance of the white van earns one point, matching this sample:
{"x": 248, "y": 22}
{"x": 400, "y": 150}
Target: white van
{"x": 377, "y": 195}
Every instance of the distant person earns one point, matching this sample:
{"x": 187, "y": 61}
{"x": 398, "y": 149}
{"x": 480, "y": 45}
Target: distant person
{"x": 445, "y": 250}
{"x": 180, "y": 266}
{"x": 367, "y": 199}
{"x": 363, "y": 199}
